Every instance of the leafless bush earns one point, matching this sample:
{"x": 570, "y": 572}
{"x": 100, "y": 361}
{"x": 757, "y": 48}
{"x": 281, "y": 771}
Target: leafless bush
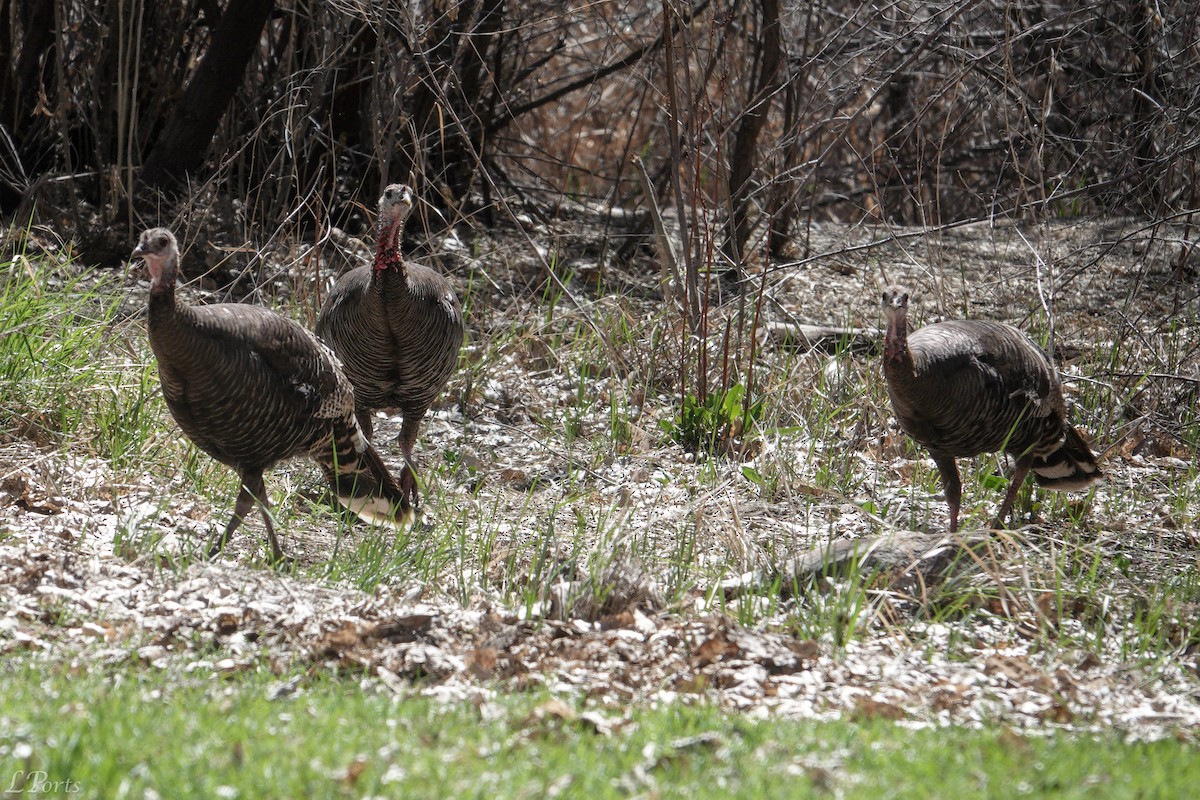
{"x": 919, "y": 113}
{"x": 131, "y": 106}
{"x": 909, "y": 112}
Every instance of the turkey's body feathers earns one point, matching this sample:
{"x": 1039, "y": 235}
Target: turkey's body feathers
{"x": 966, "y": 387}
{"x": 398, "y": 335}
{"x": 248, "y": 386}
{"x": 977, "y": 387}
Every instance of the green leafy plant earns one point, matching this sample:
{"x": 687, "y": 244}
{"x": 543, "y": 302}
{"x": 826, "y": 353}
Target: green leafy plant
{"x": 722, "y": 421}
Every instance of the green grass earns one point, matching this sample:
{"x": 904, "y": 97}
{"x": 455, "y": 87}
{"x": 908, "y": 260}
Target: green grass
{"x": 127, "y": 732}
{"x": 572, "y": 485}
{"x": 62, "y": 380}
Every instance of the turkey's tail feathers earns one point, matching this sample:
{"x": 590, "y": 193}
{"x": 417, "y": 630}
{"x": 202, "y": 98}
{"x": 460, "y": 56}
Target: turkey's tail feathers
{"x": 361, "y": 480}
{"x": 1068, "y": 467}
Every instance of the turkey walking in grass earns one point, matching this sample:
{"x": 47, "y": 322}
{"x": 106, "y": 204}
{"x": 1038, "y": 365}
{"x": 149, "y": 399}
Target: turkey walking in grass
{"x": 398, "y": 327}
{"x": 251, "y": 388}
{"x": 965, "y": 387}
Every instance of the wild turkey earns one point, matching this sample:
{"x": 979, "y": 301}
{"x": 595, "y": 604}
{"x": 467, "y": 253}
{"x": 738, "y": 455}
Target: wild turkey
{"x": 251, "y": 387}
{"x": 397, "y": 327}
{"x": 965, "y": 387}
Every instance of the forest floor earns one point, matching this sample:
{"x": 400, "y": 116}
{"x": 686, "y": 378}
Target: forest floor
{"x": 567, "y": 541}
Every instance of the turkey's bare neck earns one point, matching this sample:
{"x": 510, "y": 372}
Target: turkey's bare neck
{"x": 895, "y": 344}
{"x": 391, "y": 273}
{"x": 163, "y": 268}
{"x": 390, "y": 261}
{"x": 387, "y": 257}
{"x": 390, "y": 280}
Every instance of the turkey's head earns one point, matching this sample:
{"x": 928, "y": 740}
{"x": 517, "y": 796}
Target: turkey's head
{"x": 895, "y": 298}
{"x": 394, "y": 207}
{"x": 158, "y": 248}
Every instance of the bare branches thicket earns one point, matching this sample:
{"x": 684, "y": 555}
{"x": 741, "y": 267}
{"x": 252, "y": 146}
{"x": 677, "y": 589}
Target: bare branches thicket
{"x": 908, "y": 112}
{"x": 919, "y": 113}
{"x": 926, "y": 113}
{"x": 335, "y": 99}
{"x": 179, "y": 151}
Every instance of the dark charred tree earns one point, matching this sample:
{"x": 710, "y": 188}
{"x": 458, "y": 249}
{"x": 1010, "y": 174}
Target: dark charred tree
{"x": 20, "y": 87}
{"x": 189, "y": 130}
{"x": 783, "y": 200}
{"x": 743, "y": 159}
{"x": 348, "y": 101}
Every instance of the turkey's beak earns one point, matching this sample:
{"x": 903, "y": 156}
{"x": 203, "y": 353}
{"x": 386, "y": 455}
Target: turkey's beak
{"x": 146, "y": 257}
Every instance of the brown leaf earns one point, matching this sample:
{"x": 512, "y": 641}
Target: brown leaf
{"x": 100, "y": 630}
{"x": 481, "y": 662}
{"x": 1058, "y": 712}
{"x": 227, "y": 621}
{"x": 551, "y": 711}
{"x": 403, "y": 629}
{"x": 946, "y": 696}
{"x": 868, "y": 708}
{"x": 1014, "y": 668}
{"x": 622, "y": 619}
{"x": 354, "y": 771}
{"x": 18, "y": 488}
{"x": 716, "y": 648}
{"x": 1047, "y": 603}
{"x": 336, "y": 642}
{"x": 692, "y": 684}
{"x": 807, "y": 649}
{"x": 517, "y": 477}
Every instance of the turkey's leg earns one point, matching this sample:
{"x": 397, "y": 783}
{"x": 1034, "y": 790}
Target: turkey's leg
{"x": 951, "y": 485}
{"x": 253, "y": 491}
{"x": 363, "y": 415}
{"x": 254, "y": 483}
{"x": 1014, "y": 486}
{"x": 407, "y": 440}
{"x": 245, "y": 502}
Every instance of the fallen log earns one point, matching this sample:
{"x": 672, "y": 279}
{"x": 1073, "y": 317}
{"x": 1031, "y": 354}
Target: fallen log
{"x": 900, "y": 554}
{"x": 827, "y": 338}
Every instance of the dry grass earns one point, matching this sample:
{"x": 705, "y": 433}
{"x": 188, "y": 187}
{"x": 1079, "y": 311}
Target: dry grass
{"x": 557, "y": 502}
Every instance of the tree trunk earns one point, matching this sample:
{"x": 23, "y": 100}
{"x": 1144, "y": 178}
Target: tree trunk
{"x": 22, "y": 81}
{"x": 8, "y": 93}
{"x": 783, "y": 199}
{"x": 743, "y": 157}
{"x": 477, "y": 96}
{"x": 189, "y": 129}
{"x": 436, "y": 148}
